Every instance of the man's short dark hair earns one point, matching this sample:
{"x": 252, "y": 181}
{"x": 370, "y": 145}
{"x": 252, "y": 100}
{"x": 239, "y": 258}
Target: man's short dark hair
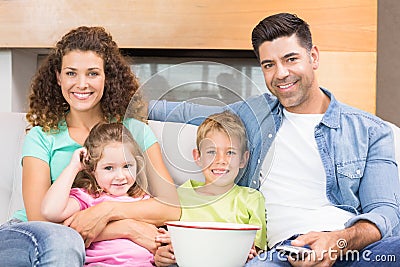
{"x": 281, "y": 25}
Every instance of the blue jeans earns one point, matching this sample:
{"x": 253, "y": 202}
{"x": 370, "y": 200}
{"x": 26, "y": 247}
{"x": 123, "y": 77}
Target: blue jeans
{"x": 40, "y": 244}
{"x": 385, "y": 252}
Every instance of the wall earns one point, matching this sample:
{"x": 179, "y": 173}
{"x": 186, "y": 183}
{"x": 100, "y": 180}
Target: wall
{"x": 17, "y": 69}
{"x": 5, "y": 80}
{"x": 388, "y": 92}
{"x": 344, "y": 30}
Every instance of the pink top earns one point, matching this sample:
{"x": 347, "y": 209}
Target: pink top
{"x": 116, "y": 252}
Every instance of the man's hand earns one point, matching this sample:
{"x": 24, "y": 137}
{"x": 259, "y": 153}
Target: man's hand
{"x": 328, "y": 246}
{"x": 324, "y": 246}
{"x": 90, "y": 222}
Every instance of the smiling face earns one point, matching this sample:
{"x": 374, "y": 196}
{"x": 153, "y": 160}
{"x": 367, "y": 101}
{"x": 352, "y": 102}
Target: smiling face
{"x": 115, "y": 172}
{"x": 220, "y": 158}
{"x": 288, "y": 70}
{"x": 82, "y": 80}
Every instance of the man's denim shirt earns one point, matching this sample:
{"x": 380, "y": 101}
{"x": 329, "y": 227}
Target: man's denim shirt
{"x": 356, "y": 149}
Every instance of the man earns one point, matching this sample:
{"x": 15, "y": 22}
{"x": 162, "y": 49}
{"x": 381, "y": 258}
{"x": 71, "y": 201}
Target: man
{"x": 328, "y": 172}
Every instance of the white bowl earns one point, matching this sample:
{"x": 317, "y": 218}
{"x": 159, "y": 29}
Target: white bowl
{"x": 211, "y": 244}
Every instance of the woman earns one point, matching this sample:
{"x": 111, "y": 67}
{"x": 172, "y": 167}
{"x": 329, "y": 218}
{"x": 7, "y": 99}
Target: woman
{"x": 84, "y": 80}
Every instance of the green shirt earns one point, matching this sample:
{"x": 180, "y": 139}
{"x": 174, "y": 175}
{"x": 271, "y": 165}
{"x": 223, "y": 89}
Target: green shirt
{"x": 56, "y": 149}
{"x": 240, "y": 205}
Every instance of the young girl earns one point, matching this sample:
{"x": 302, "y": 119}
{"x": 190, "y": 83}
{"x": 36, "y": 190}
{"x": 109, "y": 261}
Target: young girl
{"x": 110, "y": 167}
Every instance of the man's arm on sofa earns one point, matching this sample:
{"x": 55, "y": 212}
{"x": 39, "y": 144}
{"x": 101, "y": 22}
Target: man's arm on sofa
{"x": 183, "y": 112}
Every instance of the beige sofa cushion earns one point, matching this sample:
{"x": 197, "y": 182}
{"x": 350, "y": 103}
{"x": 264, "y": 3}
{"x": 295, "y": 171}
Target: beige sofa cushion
{"x": 177, "y": 141}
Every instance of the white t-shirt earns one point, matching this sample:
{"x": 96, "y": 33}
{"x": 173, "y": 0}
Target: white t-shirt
{"x": 294, "y": 182}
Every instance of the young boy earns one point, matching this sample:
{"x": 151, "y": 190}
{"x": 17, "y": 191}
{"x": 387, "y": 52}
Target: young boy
{"x": 221, "y": 153}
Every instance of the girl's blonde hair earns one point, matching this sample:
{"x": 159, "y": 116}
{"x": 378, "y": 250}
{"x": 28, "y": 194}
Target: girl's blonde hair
{"x": 101, "y": 135}
{"x": 47, "y": 106}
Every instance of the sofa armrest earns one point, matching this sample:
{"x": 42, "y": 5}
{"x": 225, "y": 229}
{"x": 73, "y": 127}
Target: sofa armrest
{"x": 12, "y": 137}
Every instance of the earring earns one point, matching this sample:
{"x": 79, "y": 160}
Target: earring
{"x": 65, "y": 106}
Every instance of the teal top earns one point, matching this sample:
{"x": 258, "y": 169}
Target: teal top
{"x": 240, "y": 205}
{"x": 56, "y": 148}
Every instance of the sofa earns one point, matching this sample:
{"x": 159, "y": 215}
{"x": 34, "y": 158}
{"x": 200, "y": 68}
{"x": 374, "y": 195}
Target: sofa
{"x": 177, "y": 141}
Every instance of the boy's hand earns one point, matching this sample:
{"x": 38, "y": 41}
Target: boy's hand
{"x": 252, "y": 253}
{"x": 164, "y": 256}
{"x": 165, "y": 253}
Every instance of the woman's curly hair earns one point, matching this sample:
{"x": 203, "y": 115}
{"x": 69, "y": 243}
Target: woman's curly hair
{"x": 47, "y": 105}
{"x": 101, "y": 135}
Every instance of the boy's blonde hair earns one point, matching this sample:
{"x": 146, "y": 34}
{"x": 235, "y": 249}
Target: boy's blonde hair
{"x": 226, "y": 122}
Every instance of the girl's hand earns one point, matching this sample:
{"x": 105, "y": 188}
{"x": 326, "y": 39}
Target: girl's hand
{"x": 77, "y": 159}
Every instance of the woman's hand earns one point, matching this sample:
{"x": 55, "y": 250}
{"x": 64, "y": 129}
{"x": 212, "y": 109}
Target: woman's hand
{"x": 91, "y": 221}
{"x": 143, "y": 234}
{"x": 163, "y": 236}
